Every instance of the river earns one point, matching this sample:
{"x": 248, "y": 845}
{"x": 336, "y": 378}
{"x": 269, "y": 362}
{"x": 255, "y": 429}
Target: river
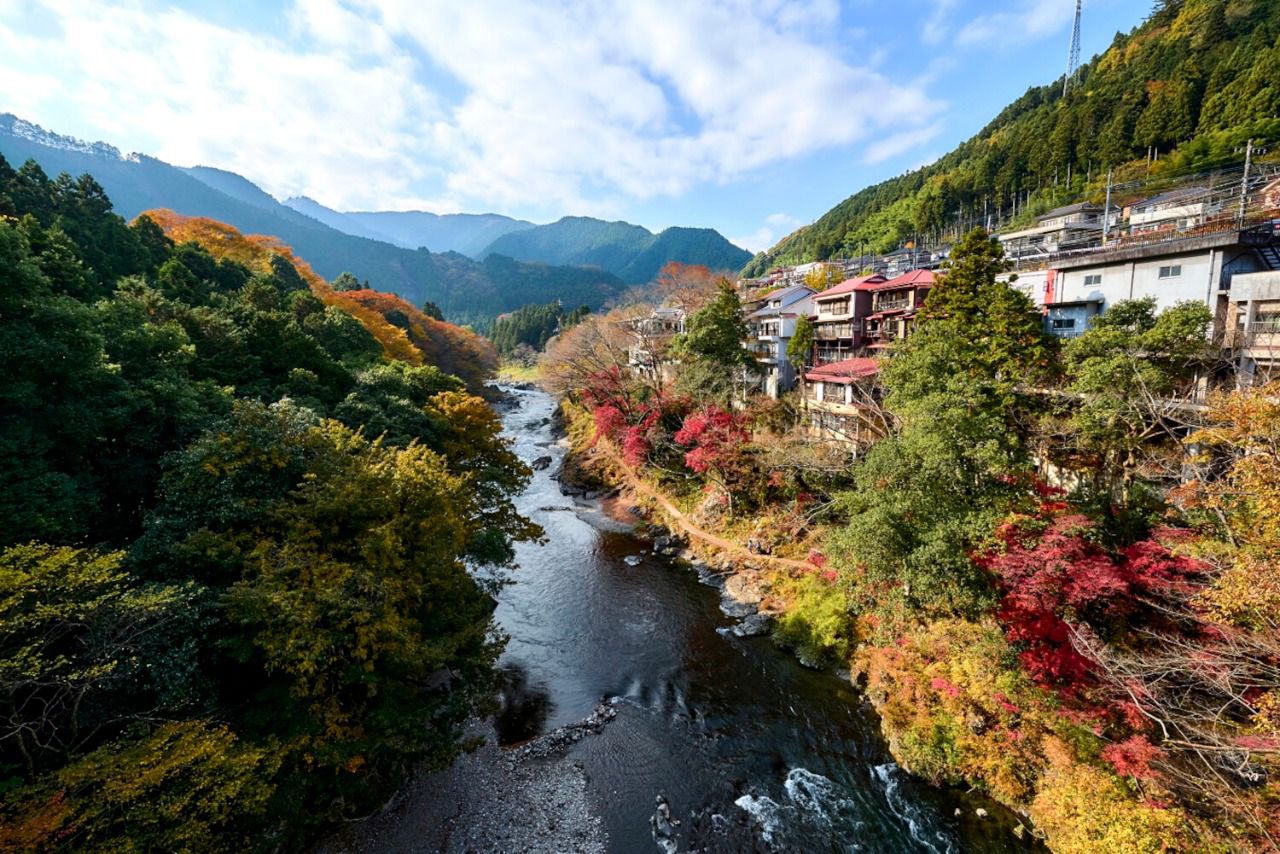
{"x": 753, "y": 751}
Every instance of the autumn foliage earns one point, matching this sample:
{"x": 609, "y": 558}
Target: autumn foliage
{"x": 405, "y": 332}
{"x": 1053, "y": 573}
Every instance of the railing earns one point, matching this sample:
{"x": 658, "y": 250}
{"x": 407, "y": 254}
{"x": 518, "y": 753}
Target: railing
{"x": 892, "y": 305}
{"x": 1268, "y": 330}
{"x": 832, "y": 333}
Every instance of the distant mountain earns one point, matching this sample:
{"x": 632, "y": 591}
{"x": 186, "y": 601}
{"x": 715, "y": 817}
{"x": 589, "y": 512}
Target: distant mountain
{"x": 467, "y": 291}
{"x": 467, "y": 234}
{"x": 337, "y": 220}
{"x": 629, "y": 251}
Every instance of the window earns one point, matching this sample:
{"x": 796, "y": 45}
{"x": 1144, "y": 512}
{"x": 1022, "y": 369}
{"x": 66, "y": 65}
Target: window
{"x": 1093, "y": 279}
{"x": 1171, "y": 272}
{"x": 1063, "y": 323}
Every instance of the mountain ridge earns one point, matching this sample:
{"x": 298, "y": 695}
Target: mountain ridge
{"x": 1192, "y": 83}
{"x": 629, "y": 251}
{"x": 468, "y": 291}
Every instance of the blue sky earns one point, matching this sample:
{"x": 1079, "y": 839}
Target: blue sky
{"x": 749, "y": 116}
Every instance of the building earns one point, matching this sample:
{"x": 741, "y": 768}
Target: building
{"x": 771, "y": 329}
{"x": 837, "y": 318}
{"x": 1177, "y": 210}
{"x": 652, "y": 334}
{"x": 894, "y": 305}
{"x": 1253, "y": 327}
{"x": 840, "y": 401}
{"x": 1196, "y": 268}
{"x": 1073, "y": 227}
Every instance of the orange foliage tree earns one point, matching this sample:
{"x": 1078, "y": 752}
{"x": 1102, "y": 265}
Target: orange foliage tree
{"x": 405, "y": 332}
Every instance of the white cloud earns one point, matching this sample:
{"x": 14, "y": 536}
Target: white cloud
{"x": 775, "y": 227}
{"x": 936, "y": 25}
{"x": 1029, "y": 20}
{"x": 893, "y": 144}
{"x": 558, "y": 106}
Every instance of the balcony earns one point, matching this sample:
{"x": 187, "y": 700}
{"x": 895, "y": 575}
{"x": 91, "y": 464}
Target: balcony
{"x": 892, "y": 304}
{"x": 832, "y": 331}
{"x": 1261, "y": 334}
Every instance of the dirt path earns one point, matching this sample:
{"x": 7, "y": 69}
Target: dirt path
{"x": 637, "y": 484}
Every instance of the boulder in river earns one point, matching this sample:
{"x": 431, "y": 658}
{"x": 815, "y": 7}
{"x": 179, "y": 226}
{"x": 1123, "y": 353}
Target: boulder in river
{"x": 753, "y": 625}
{"x": 664, "y": 827}
{"x": 541, "y": 463}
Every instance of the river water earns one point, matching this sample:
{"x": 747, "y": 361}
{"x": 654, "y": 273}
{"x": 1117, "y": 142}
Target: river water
{"x": 753, "y": 751}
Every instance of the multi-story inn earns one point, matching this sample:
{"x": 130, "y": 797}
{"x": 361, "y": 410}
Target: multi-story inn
{"x": 771, "y": 329}
{"x": 838, "y": 314}
{"x": 840, "y": 401}
{"x": 894, "y": 305}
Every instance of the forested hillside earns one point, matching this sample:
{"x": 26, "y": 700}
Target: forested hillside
{"x": 237, "y": 512}
{"x": 533, "y": 326}
{"x": 629, "y": 251}
{"x": 462, "y": 287}
{"x": 1193, "y": 83}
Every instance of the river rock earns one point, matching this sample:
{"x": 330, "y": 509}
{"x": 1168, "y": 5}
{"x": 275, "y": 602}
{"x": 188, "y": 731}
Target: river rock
{"x": 541, "y": 464}
{"x": 558, "y": 740}
{"x": 753, "y": 625}
{"x": 663, "y": 827}
{"x": 632, "y": 560}
{"x": 739, "y": 597}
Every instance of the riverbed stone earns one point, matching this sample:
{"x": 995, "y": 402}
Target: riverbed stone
{"x": 753, "y": 625}
{"x": 541, "y": 463}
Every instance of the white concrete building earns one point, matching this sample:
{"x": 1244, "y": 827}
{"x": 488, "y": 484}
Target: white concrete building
{"x": 771, "y": 329}
{"x": 1198, "y": 269}
{"x": 1253, "y": 326}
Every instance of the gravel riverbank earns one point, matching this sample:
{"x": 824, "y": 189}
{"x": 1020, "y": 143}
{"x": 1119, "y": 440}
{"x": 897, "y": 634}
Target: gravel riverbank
{"x": 531, "y": 798}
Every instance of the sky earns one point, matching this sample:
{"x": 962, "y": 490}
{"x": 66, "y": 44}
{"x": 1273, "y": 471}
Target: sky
{"x": 748, "y": 116}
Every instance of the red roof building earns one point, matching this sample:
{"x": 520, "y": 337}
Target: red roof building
{"x": 838, "y": 318}
{"x": 839, "y": 400}
{"x": 894, "y": 304}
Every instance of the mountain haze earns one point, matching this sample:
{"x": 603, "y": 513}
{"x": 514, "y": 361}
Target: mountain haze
{"x": 1193, "y": 83}
{"x": 467, "y": 234}
{"x": 630, "y": 251}
{"x": 467, "y": 291}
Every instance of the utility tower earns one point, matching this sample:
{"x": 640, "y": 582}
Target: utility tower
{"x": 1073, "y": 53}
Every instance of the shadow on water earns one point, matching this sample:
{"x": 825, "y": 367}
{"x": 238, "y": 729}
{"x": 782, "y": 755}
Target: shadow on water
{"x": 524, "y": 708}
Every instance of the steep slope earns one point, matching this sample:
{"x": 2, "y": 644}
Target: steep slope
{"x": 462, "y": 287}
{"x": 1193, "y": 82}
{"x": 630, "y": 251}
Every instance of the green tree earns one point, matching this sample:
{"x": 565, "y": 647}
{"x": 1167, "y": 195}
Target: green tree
{"x": 800, "y": 351}
{"x": 184, "y": 786}
{"x": 84, "y": 651}
{"x": 348, "y": 282}
{"x": 1131, "y": 370}
{"x": 957, "y": 389}
{"x": 713, "y": 358}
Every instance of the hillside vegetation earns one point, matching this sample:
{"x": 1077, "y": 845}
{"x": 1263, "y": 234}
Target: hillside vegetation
{"x": 1194, "y": 82}
{"x": 239, "y": 514}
